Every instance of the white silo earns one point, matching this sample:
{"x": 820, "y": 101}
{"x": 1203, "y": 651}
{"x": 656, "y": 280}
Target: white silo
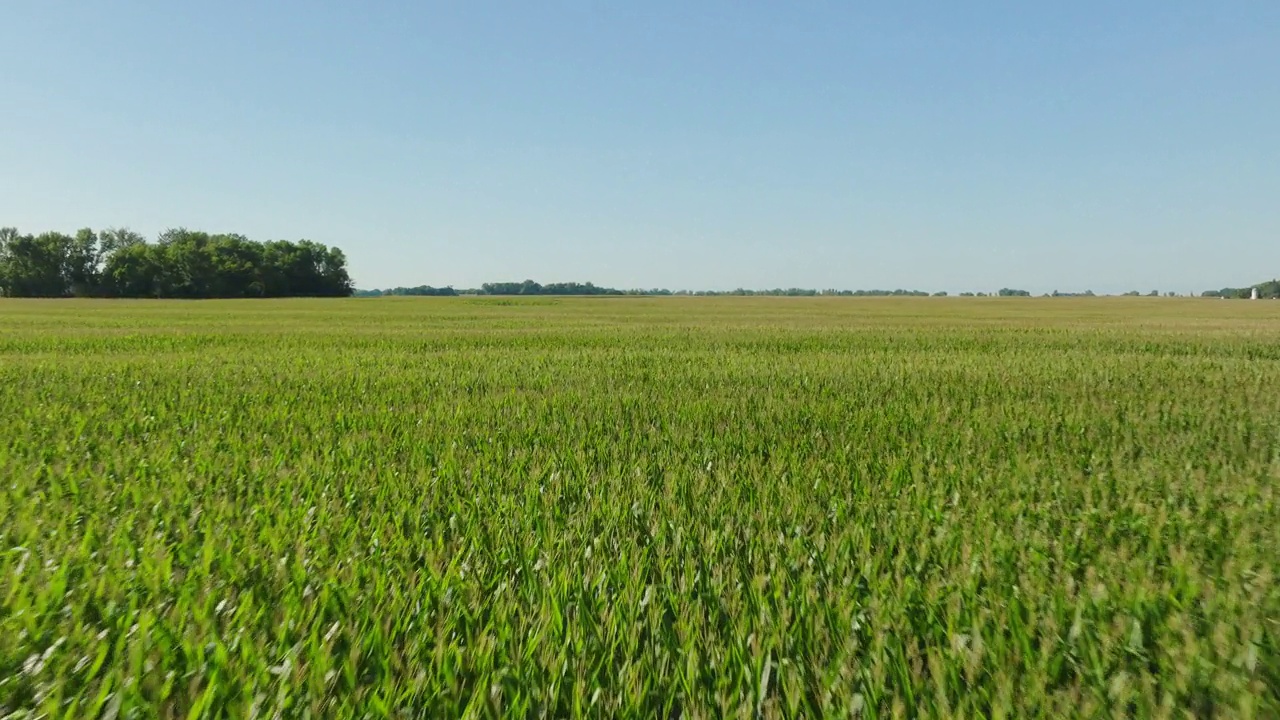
{"x": 1254, "y": 295}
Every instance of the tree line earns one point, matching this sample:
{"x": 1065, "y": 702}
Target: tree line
{"x": 181, "y": 263}
{"x": 530, "y": 287}
{"x": 1269, "y": 290}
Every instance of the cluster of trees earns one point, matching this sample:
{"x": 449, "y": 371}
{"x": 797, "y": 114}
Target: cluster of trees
{"x": 421, "y": 290}
{"x": 181, "y": 263}
{"x": 1267, "y": 290}
{"x": 529, "y": 287}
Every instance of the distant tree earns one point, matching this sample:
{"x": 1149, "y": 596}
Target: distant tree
{"x": 113, "y": 239}
{"x": 134, "y": 271}
{"x": 1008, "y": 292}
{"x": 8, "y": 237}
{"x": 35, "y": 266}
{"x": 186, "y": 268}
{"x": 236, "y": 266}
{"x": 81, "y": 264}
{"x": 304, "y": 268}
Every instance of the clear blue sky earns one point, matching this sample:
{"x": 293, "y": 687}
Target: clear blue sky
{"x": 715, "y": 144}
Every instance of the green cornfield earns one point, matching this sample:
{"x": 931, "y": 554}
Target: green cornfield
{"x": 640, "y": 507}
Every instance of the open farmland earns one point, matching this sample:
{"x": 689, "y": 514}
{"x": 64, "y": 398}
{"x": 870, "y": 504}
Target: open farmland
{"x": 640, "y": 507}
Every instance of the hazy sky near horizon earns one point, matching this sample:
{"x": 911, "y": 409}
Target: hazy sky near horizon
{"x": 714, "y": 144}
